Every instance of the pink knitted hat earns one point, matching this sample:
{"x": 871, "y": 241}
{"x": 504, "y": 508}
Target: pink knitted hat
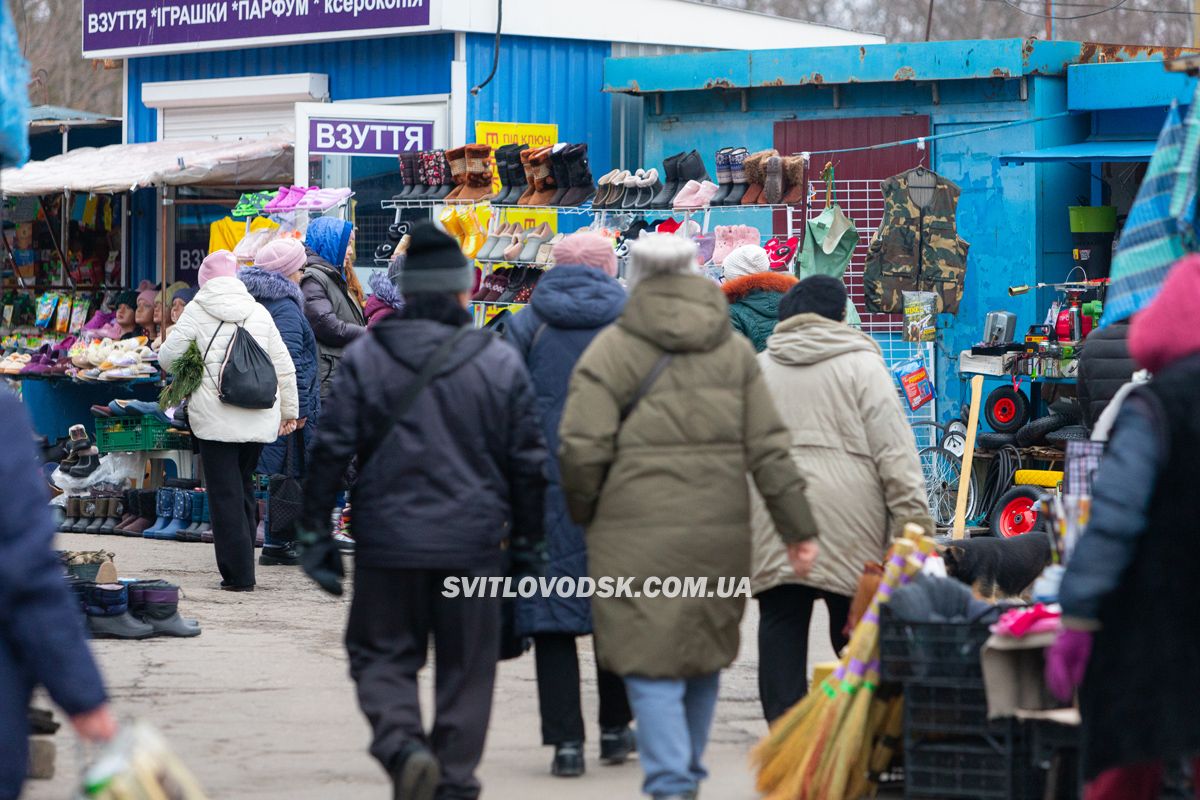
{"x": 148, "y": 296}
{"x": 1165, "y": 331}
{"x": 219, "y": 264}
{"x": 589, "y": 250}
{"x": 282, "y": 256}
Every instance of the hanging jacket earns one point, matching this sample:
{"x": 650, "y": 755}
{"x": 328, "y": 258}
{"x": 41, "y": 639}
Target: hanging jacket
{"x": 666, "y": 492}
{"x": 916, "y": 249}
{"x": 829, "y": 243}
{"x": 226, "y": 300}
{"x": 282, "y": 299}
{"x": 754, "y": 304}
{"x": 1105, "y": 365}
{"x": 850, "y": 441}
{"x": 570, "y": 305}
{"x": 334, "y": 315}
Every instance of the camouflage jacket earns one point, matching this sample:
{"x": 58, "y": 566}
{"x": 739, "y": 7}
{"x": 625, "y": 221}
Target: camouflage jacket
{"x": 915, "y": 249}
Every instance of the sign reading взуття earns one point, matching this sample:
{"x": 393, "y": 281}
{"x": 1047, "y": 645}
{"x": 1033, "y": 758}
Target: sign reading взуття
{"x": 365, "y": 137}
{"x": 129, "y": 27}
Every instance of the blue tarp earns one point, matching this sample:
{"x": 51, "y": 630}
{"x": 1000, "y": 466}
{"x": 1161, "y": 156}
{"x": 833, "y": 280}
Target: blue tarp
{"x": 1119, "y": 150}
{"x": 14, "y": 100}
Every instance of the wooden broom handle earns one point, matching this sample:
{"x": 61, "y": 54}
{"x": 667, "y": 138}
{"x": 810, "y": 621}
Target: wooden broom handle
{"x": 964, "y": 478}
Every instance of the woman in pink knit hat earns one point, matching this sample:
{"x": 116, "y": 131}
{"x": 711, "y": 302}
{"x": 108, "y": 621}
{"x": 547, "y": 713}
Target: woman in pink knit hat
{"x": 1130, "y": 641}
{"x": 572, "y": 303}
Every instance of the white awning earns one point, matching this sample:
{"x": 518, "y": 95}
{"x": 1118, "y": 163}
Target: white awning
{"x": 125, "y": 167}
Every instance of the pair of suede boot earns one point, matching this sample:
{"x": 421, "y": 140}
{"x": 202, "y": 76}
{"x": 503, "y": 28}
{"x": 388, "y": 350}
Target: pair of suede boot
{"x": 92, "y": 514}
{"x": 559, "y": 175}
{"x": 182, "y": 515}
{"x": 424, "y": 175}
{"x": 773, "y": 179}
{"x": 136, "y": 610}
{"x": 471, "y": 173}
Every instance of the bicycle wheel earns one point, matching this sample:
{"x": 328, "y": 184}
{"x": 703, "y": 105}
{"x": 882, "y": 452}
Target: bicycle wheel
{"x": 943, "y": 472}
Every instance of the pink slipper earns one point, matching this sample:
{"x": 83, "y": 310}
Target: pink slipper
{"x": 322, "y": 199}
{"x": 294, "y": 196}
{"x": 284, "y": 192}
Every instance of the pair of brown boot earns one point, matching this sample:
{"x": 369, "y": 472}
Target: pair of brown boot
{"x": 773, "y": 179}
{"x": 471, "y": 171}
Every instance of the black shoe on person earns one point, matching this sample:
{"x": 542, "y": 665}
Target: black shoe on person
{"x": 283, "y": 555}
{"x": 617, "y": 744}
{"x": 415, "y": 774}
{"x": 568, "y": 760}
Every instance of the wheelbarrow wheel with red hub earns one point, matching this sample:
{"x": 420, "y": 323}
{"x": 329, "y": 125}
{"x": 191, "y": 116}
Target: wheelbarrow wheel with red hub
{"x": 1006, "y": 409}
{"x": 1017, "y": 512}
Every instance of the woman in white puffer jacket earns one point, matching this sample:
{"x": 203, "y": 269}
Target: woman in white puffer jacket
{"x": 229, "y": 437}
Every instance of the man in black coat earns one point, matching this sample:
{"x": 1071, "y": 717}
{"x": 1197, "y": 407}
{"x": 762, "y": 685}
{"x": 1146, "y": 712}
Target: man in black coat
{"x": 1104, "y": 367}
{"x": 42, "y": 637}
{"x": 452, "y": 490}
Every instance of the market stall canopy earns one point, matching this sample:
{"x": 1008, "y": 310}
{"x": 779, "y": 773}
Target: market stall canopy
{"x": 1117, "y": 150}
{"x": 125, "y": 167}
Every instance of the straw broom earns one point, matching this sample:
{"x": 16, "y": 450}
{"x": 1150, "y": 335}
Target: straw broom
{"x": 847, "y": 746}
{"x": 788, "y": 756}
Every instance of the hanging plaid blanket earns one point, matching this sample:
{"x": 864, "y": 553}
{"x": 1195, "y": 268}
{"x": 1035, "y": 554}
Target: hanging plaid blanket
{"x": 1151, "y": 240}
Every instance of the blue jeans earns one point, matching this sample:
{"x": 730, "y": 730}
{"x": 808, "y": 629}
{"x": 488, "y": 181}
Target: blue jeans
{"x": 673, "y": 721}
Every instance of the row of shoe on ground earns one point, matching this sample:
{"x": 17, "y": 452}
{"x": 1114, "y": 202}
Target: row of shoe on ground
{"x": 123, "y": 608}
{"x": 178, "y": 513}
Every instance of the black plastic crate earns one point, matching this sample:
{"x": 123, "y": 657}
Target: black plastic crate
{"x": 945, "y": 653}
{"x": 946, "y": 709}
{"x": 993, "y": 767}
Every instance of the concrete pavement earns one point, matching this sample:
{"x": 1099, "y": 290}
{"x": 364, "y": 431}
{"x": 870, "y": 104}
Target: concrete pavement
{"x": 261, "y": 706}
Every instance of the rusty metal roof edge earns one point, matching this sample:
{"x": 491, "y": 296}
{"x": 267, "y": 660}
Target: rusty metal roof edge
{"x": 907, "y": 61}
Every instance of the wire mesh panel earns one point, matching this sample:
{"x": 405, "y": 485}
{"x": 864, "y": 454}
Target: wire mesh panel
{"x": 862, "y": 202}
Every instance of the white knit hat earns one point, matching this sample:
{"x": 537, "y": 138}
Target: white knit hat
{"x": 746, "y": 260}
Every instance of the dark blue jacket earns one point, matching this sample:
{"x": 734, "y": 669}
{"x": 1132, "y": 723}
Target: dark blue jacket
{"x": 1121, "y": 494}
{"x": 284, "y": 300}
{"x": 570, "y": 305}
{"x": 41, "y": 626}
{"x": 458, "y": 475}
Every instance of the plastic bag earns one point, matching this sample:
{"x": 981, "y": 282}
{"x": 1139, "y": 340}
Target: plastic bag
{"x": 137, "y": 764}
{"x": 115, "y": 468}
{"x": 914, "y": 380}
{"x": 920, "y": 316}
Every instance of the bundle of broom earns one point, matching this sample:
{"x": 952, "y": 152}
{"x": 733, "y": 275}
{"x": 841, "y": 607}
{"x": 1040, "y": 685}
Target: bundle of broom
{"x": 818, "y": 749}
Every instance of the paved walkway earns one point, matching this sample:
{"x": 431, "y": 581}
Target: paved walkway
{"x": 261, "y": 706}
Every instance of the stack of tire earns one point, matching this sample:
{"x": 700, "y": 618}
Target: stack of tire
{"x": 1007, "y": 412}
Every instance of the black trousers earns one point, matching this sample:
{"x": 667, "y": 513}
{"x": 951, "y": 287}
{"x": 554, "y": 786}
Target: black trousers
{"x": 558, "y": 691}
{"x": 784, "y": 616}
{"x": 228, "y": 467}
{"x": 393, "y": 613}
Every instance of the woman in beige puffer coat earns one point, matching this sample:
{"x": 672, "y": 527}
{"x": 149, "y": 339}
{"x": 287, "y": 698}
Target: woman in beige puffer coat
{"x": 856, "y": 451}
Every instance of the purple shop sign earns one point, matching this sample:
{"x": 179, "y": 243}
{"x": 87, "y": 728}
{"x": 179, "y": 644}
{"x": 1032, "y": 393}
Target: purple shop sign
{"x": 125, "y": 27}
{"x": 367, "y": 137}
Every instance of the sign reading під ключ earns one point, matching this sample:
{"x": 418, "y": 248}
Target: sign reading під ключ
{"x": 367, "y": 137}
{"x": 133, "y": 27}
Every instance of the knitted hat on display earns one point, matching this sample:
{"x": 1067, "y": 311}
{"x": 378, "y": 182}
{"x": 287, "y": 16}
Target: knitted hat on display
{"x": 186, "y": 295}
{"x": 218, "y": 264}
{"x": 433, "y": 263}
{"x": 282, "y": 256}
{"x": 148, "y": 296}
{"x": 588, "y": 250}
{"x": 746, "y": 260}
{"x": 128, "y": 298}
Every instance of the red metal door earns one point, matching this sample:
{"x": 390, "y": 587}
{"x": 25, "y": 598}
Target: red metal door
{"x": 856, "y": 180}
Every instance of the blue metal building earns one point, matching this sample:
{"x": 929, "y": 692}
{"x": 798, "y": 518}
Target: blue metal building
{"x": 1086, "y": 115}
{"x": 419, "y": 63}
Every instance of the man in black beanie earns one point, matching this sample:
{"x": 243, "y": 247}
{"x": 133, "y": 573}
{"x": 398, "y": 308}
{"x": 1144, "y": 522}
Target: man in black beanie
{"x": 850, "y": 439}
{"x": 442, "y": 420}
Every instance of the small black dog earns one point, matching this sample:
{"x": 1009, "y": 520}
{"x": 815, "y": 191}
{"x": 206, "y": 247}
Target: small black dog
{"x": 998, "y": 568}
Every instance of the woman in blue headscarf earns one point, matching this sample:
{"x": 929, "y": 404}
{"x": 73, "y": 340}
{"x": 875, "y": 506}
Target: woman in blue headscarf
{"x": 330, "y": 305}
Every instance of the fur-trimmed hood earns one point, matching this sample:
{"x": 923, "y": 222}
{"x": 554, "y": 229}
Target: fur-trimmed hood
{"x": 740, "y": 288}
{"x": 264, "y": 285}
{"x": 383, "y": 288}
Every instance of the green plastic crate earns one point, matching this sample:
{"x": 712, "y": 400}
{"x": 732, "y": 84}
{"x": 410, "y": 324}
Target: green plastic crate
{"x": 156, "y": 436}
{"x": 118, "y": 434}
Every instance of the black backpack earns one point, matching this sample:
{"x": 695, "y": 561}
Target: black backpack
{"x": 247, "y": 377}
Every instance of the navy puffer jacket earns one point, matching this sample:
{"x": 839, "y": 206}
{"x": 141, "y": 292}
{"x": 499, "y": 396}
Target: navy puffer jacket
{"x": 569, "y": 307}
{"x": 283, "y": 299}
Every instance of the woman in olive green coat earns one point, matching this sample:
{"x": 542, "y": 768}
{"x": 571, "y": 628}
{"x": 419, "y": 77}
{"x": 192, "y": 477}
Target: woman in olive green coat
{"x": 661, "y": 487}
